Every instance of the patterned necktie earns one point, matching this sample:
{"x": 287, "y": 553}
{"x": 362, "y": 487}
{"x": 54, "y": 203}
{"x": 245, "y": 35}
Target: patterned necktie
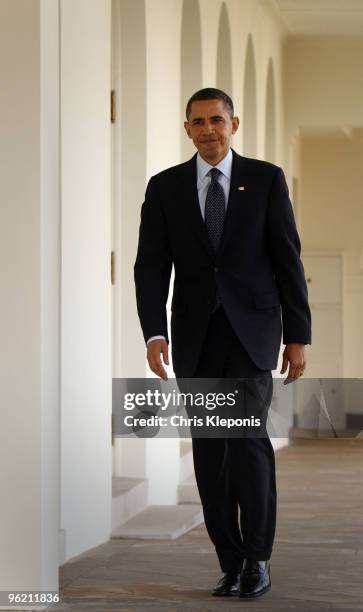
{"x": 215, "y": 208}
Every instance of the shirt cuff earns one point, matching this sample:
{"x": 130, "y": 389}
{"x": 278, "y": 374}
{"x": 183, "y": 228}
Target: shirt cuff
{"x": 155, "y": 338}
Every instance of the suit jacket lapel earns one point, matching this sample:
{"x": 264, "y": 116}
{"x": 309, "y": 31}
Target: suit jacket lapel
{"x": 234, "y": 200}
{"x": 191, "y": 205}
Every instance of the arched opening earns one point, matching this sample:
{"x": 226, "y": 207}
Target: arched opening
{"x": 270, "y": 115}
{"x": 250, "y": 103}
{"x": 191, "y": 65}
{"x": 224, "y": 55}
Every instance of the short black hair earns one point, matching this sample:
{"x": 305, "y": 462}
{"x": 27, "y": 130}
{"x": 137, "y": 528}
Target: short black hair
{"x": 210, "y": 93}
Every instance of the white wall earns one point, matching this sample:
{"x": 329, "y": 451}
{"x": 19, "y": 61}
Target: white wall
{"x": 321, "y": 81}
{"x": 332, "y": 219}
{"x": 50, "y": 213}
{"x": 323, "y": 99}
{"x": 86, "y": 288}
{"x": 30, "y": 260}
{"x": 321, "y": 87}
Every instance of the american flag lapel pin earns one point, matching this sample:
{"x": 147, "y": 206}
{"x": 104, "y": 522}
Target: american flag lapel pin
{"x": 241, "y": 188}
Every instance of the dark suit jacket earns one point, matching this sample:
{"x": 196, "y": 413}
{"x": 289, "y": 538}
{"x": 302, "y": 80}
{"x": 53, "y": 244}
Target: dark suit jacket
{"x": 257, "y": 267}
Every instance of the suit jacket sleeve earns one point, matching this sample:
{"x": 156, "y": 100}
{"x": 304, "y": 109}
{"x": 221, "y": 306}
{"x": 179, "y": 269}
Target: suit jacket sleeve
{"x": 284, "y": 244}
{"x": 153, "y": 265}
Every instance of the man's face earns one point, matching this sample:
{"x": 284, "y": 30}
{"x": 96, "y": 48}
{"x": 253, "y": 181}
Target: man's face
{"x": 210, "y": 127}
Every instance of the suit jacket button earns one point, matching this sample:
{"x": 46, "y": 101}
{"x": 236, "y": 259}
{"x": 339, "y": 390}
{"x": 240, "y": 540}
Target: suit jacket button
{"x": 216, "y": 269}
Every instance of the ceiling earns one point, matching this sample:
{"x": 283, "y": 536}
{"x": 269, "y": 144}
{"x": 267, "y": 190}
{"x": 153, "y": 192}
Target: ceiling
{"x": 320, "y": 17}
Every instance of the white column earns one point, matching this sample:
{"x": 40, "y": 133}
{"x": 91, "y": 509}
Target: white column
{"x": 129, "y": 184}
{"x": 163, "y": 151}
{"x": 30, "y": 263}
{"x": 86, "y": 283}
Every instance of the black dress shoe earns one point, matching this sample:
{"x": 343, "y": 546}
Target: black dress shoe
{"x": 228, "y": 585}
{"x": 255, "y": 578}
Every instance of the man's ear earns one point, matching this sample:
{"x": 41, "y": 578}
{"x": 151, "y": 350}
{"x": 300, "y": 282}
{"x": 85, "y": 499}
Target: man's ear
{"x": 235, "y": 124}
{"x": 187, "y": 128}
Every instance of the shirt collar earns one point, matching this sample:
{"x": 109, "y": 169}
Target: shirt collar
{"x": 225, "y": 166}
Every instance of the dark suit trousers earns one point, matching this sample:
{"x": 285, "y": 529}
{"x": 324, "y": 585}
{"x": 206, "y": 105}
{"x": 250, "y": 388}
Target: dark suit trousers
{"x": 235, "y": 476}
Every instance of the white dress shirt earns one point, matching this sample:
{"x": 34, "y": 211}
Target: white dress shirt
{"x": 203, "y": 182}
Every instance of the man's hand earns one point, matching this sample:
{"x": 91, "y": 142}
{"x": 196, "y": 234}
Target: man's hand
{"x": 154, "y": 349}
{"x": 294, "y": 355}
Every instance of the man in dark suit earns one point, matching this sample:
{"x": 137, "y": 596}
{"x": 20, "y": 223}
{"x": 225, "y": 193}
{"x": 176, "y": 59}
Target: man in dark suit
{"x": 227, "y": 224}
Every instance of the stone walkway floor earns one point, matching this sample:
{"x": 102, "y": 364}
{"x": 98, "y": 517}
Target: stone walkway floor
{"x": 317, "y": 562}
